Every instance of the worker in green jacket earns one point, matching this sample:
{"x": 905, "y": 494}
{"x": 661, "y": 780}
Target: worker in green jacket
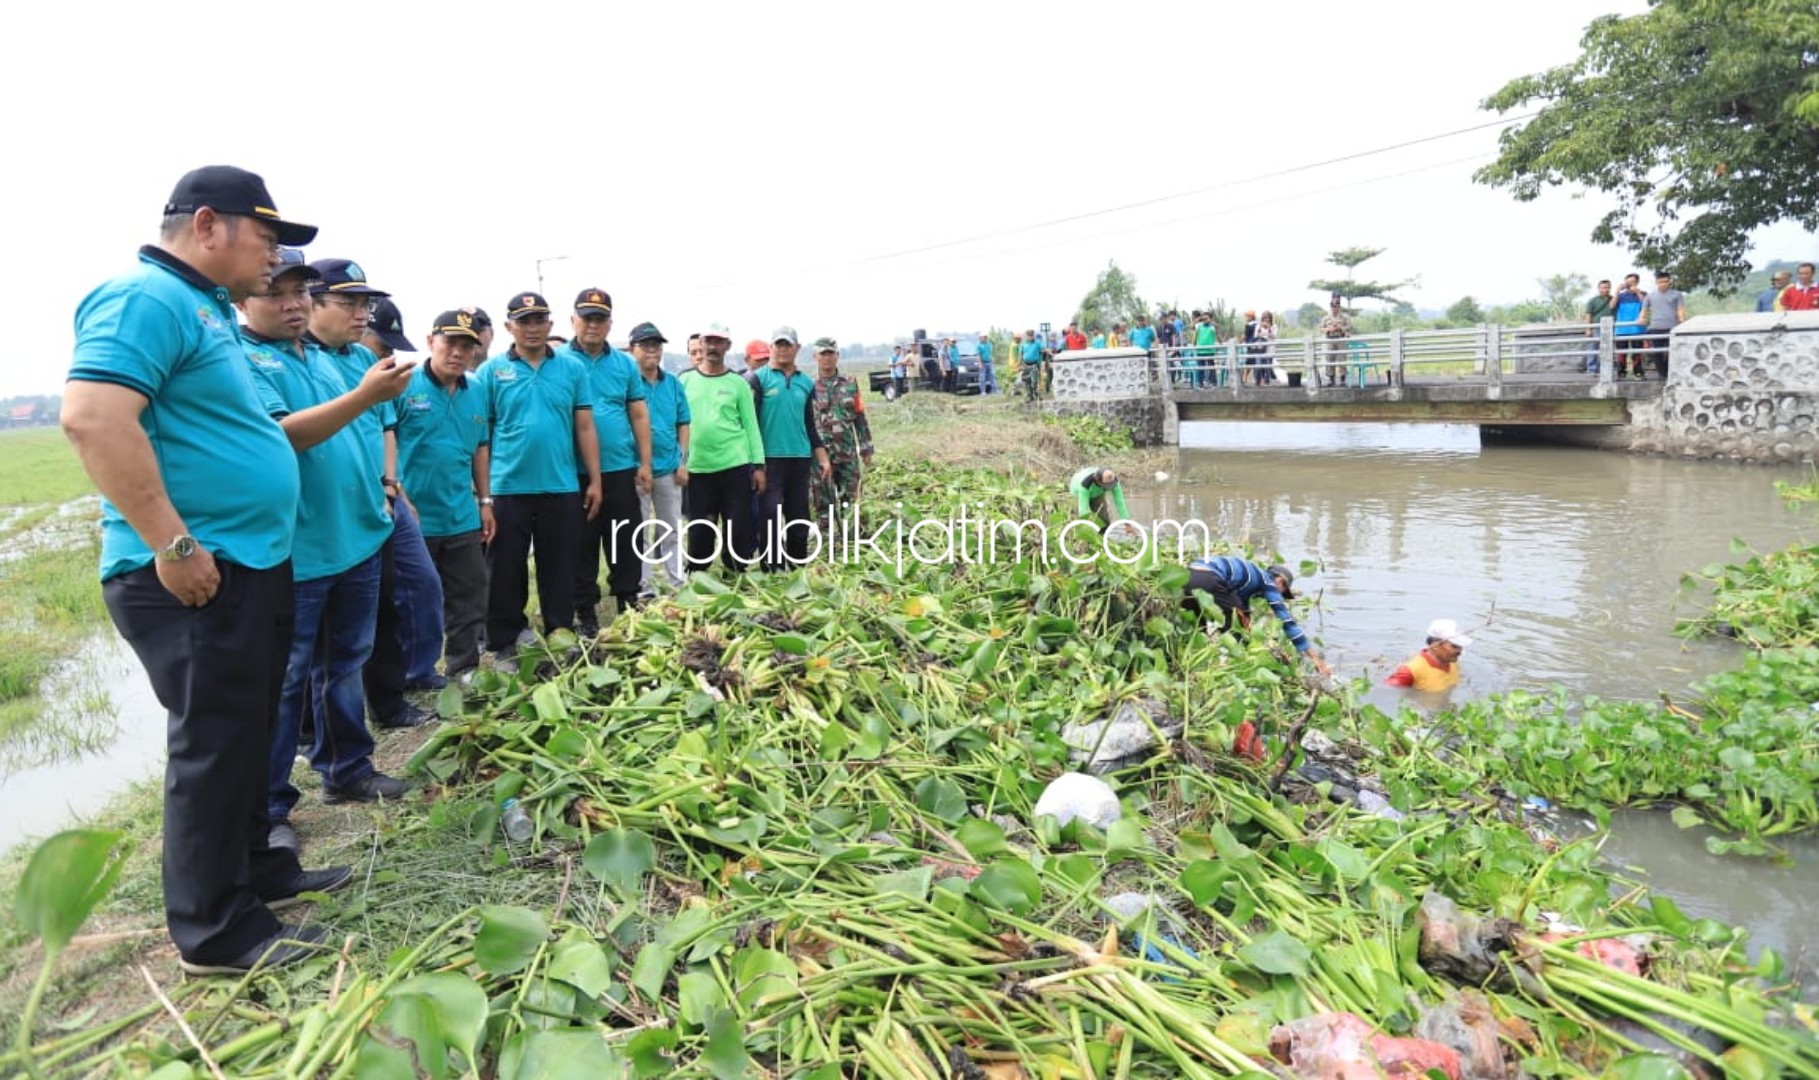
{"x": 1094, "y": 487}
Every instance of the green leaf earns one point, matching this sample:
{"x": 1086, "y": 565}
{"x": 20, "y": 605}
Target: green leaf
{"x": 1125, "y": 834}
{"x": 651, "y": 968}
{"x": 1076, "y": 869}
{"x": 1347, "y": 860}
{"x": 793, "y": 644}
{"x": 911, "y": 883}
{"x": 451, "y": 703}
{"x": 174, "y": 1070}
{"x": 761, "y": 976}
{"x": 1010, "y": 884}
{"x": 1669, "y": 915}
{"x": 697, "y": 705}
{"x": 981, "y": 837}
{"x": 68, "y": 875}
{"x": 1277, "y": 954}
{"x": 547, "y": 700}
{"x": 438, "y": 1013}
{"x": 941, "y": 797}
{"x": 698, "y": 996}
{"x": 559, "y": 1054}
{"x": 1686, "y": 817}
{"x": 582, "y": 964}
{"x": 1204, "y": 879}
{"x": 1646, "y": 1067}
{"x": 508, "y": 938}
{"x": 724, "y": 1054}
{"x": 620, "y": 857}
{"x": 650, "y": 1052}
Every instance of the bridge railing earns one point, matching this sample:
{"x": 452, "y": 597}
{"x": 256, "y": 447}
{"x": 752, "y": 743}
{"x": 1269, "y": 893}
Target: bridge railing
{"x": 1483, "y": 354}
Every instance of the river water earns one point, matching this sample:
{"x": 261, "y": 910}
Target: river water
{"x": 1563, "y": 564}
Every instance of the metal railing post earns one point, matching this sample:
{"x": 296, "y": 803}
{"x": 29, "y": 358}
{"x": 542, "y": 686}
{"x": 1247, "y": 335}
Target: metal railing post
{"x": 1607, "y": 350}
{"x": 1493, "y": 355}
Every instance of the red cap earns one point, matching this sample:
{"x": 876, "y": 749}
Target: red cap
{"x": 758, "y": 350}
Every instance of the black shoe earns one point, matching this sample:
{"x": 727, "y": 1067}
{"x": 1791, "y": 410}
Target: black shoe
{"x": 587, "y": 627}
{"x": 409, "y": 716}
{"x": 284, "y": 948}
{"x": 326, "y": 880}
{"x": 371, "y": 788}
{"x": 628, "y": 602}
{"x": 434, "y": 682}
{"x": 283, "y": 836}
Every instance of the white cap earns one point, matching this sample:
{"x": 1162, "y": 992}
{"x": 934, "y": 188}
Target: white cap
{"x": 718, "y": 330}
{"x": 1447, "y": 630}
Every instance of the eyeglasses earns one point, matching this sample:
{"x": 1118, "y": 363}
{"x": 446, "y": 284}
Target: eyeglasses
{"x": 353, "y": 303}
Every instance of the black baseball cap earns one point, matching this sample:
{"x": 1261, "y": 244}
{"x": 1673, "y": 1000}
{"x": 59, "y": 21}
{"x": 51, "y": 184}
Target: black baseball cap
{"x": 388, "y": 325}
{"x": 526, "y": 303}
{"x": 482, "y": 321}
{"x": 228, "y": 190}
{"x": 461, "y": 323}
{"x": 594, "y": 300}
{"x": 644, "y": 332}
{"x": 343, "y": 276}
{"x": 291, "y": 261}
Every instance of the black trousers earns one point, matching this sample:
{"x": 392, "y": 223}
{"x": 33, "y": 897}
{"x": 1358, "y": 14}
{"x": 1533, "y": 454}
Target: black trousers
{"x": 461, "y": 564}
{"x": 1235, "y": 611}
{"x": 217, "y": 670}
{"x": 610, "y": 535}
{"x": 547, "y": 523}
{"x": 719, "y": 517}
{"x": 786, "y": 485}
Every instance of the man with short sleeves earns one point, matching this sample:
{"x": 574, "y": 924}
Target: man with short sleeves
{"x": 540, "y": 407}
{"x": 1664, "y": 309}
{"x": 1600, "y": 307}
{"x": 725, "y": 458}
{"x": 669, "y": 417}
{"x": 793, "y": 456}
{"x": 343, "y": 525}
{"x": 622, "y": 426}
{"x": 195, "y": 562}
{"x": 988, "y": 377}
{"x": 1777, "y": 284}
{"x": 1803, "y": 294}
{"x": 441, "y": 432}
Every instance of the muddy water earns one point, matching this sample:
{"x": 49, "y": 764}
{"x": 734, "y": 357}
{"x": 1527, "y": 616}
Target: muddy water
{"x": 1564, "y": 565}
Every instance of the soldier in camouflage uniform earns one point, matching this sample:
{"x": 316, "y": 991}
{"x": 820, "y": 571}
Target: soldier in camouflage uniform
{"x": 844, "y": 430}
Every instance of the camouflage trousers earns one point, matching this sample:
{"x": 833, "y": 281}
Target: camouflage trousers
{"x": 838, "y": 492}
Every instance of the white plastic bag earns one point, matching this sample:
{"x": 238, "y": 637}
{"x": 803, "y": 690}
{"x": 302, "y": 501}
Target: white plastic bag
{"x": 1077, "y": 795}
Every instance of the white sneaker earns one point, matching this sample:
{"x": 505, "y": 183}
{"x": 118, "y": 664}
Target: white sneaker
{"x": 526, "y": 636}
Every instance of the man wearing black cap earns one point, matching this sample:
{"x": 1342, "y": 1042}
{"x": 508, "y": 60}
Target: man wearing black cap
{"x": 195, "y": 561}
{"x": 622, "y": 425}
{"x": 540, "y": 406}
{"x": 385, "y": 330}
{"x": 483, "y": 325}
{"x": 662, "y": 506}
{"x": 1233, "y": 583}
{"x": 408, "y": 636}
{"x": 439, "y": 427}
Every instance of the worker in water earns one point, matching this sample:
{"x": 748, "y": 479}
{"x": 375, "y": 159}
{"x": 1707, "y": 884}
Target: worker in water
{"x": 1233, "y": 583}
{"x": 1435, "y": 667}
{"x": 1099, "y": 491}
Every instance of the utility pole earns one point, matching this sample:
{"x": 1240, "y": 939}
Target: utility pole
{"x": 540, "y": 262}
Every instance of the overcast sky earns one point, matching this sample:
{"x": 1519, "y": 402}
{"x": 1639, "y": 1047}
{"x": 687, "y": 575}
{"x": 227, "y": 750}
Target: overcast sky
{"x": 758, "y": 164}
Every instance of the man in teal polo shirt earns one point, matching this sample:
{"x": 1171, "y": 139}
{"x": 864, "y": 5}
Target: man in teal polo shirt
{"x": 793, "y": 455}
{"x": 440, "y": 429}
{"x": 195, "y": 559}
{"x": 342, "y": 525}
{"x": 540, "y": 406}
{"x": 622, "y": 425}
{"x": 669, "y": 416}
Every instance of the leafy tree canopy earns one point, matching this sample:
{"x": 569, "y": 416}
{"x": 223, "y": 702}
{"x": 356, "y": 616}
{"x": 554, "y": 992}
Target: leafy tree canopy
{"x": 1349, "y": 289}
{"x": 1113, "y": 299}
{"x": 1697, "y": 120}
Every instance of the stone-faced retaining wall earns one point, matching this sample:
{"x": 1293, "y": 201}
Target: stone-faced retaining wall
{"x": 1743, "y": 387}
{"x": 1118, "y": 386}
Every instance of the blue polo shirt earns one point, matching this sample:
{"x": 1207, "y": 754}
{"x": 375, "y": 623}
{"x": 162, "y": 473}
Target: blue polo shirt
{"x": 985, "y": 351}
{"x": 668, "y": 405}
{"x": 532, "y": 413}
{"x": 1032, "y": 352}
{"x": 786, "y": 415}
{"x": 353, "y": 361}
{"x": 439, "y": 428}
{"x": 342, "y": 518}
{"x": 615, "y": 382}
{"x": 1143, "y": 337}
{"x": 168, "y": 333}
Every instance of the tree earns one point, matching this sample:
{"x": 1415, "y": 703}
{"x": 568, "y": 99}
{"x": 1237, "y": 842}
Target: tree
{"x": 1697, "y": 120}
{"x": 1465, "y": 312}
{"x": 1308, "y": 315}
{"x": 1348, "y": 289}
{"x": 1563, "y": 294}
{"x": 1113, "y": 299}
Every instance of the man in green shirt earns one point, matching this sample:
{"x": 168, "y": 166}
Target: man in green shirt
{"x": 1597, "y": 309}
{"x": 1092, "y": 487}
{"x": 725, "y": 458}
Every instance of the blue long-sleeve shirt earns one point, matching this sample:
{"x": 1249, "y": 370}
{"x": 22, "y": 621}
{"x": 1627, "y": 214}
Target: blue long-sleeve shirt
{"x": 1247, "y": 581}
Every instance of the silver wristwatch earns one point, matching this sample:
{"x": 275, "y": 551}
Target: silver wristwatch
{"x": 179, "y": 549}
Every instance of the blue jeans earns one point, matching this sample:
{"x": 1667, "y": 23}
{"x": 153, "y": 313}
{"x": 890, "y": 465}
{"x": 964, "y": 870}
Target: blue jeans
{"x": 332, "y": 638}
{"x": 988, "y": 379}
{"x": 416, "y": 596}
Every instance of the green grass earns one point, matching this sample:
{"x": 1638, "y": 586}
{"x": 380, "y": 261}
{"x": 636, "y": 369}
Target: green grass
{"x": 49, "y": 601}
{"x": 38, "y": 467}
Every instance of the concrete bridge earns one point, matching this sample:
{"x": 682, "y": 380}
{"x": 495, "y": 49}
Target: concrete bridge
{"x": 1738, "y": 386}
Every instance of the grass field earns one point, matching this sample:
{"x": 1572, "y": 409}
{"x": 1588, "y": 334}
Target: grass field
{"x": 39, "y": 468}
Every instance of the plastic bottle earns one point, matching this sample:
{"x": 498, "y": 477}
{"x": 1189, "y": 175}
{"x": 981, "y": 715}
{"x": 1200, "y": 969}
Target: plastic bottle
{"x": 517, "y": 824}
